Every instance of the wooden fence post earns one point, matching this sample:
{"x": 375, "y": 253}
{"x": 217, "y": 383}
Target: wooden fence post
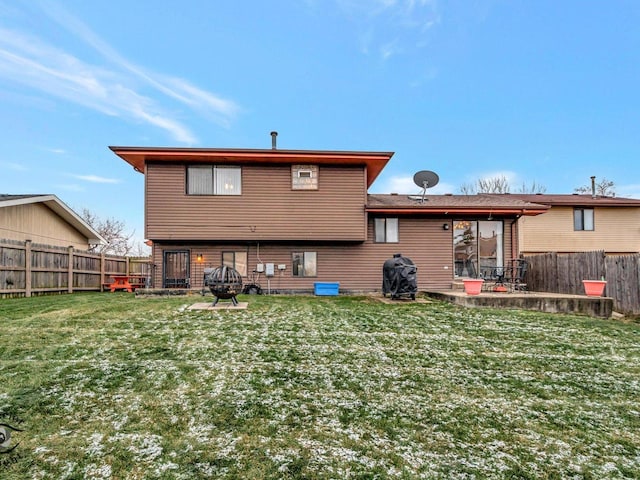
{"x": 70, "y": 271}
{"x": 27, "y": 268}
{"x": 102, "y": 271}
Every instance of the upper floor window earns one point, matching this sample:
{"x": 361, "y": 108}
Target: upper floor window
{"x": 583, "y": 219}
{"x": 237, "y": 260}
{"x": 386, "y": 230}
{"x": 304, "y": 264}
{"x": 304, "y": 177}
{"x": 214, "y": 180}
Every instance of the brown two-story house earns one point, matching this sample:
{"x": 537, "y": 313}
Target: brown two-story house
{"x": 304, "y": 216}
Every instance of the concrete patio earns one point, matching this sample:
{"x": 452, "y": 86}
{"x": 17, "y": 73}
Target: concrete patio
{"x": 539, "y": 301}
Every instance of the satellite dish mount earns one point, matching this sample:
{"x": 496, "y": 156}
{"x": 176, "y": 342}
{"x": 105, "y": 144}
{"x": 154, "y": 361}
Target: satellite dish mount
{"x": 425, "y": 179}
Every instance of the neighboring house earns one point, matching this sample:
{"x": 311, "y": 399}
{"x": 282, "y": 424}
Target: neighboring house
{"x": 580, "y": 223}
{"x": 308, "y": 214}
{"x": 46, "y": 220}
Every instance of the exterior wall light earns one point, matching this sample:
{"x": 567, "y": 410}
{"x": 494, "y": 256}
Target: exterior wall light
{"x": 445, "y": 226}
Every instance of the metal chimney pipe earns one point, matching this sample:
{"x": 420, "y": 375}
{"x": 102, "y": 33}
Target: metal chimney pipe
{"x": 273, "y": 140}
{"x": 593, "y": 186}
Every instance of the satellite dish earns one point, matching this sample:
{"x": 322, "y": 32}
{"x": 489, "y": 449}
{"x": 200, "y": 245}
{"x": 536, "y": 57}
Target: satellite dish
{"x": 425, "y": 179}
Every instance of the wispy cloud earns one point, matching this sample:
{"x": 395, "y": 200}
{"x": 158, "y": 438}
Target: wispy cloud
{"x": 71, "y": 187}
{"x": 57, "y": 151}
{"x": 389, "y": 49}
{"x": 628, "y": 191}
{"x": 509, "y": 175}
{"x": 114, "y": 88}
{"x": 391, "y": 27}
{"x": 404, "y": 184}
{"x": 176, "y": 88}
{"x": 95, "y": 179}
{"x": 16, "y": 167}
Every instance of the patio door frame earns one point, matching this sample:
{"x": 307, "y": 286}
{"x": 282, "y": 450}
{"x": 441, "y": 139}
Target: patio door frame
{"x": 183, "y": 258}
{"x": 469, "y": 261}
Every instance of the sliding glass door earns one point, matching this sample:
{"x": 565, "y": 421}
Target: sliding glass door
{"x": 478, "y": 247}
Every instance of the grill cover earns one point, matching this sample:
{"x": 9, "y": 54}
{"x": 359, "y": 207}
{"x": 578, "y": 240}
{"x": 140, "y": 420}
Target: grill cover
{"x": 399, "y": 277}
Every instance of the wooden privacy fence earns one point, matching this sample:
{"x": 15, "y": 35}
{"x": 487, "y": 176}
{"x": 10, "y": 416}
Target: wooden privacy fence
{"x": 564, "y": 272}
{"x": 29, "y": 269}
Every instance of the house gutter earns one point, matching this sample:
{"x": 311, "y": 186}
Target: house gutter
{"x": 458, "y": 211}
{"x": 138, "y": 156}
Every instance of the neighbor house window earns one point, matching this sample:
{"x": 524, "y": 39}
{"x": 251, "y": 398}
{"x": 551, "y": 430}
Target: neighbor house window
{"x": 304, "y": 264}
{"x": 304, "y": 177}
{"x": 583, "y": 219}
{"x": 386, "y": 230}
{"x": 237, "y": 260}
{"x": 214, "y": 180}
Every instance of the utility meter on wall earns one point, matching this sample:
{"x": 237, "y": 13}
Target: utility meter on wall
{"x": 270, "y": 270}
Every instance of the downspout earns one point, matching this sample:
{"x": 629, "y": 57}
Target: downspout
{"x": 366, "y": 198}
{"x": 514, "y": 238}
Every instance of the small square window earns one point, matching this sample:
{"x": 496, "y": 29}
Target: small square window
{"x": 304, "y": 177}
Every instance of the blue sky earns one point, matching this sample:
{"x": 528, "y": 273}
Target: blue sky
{"x": 535, "y": 90}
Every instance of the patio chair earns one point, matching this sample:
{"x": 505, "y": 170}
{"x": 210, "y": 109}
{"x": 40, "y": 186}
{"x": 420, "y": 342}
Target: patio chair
{"x": 493, "y": 277}
{"x": 515, "y": 275}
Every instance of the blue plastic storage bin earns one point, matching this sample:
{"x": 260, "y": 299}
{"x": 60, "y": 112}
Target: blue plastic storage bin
{"x": 326, "y": 288}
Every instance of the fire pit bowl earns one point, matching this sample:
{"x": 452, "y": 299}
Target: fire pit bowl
{"x": 224, "y": 283}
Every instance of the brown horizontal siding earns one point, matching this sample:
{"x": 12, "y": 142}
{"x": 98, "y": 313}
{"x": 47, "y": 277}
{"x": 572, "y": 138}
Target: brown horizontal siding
{"x": 268, "y": 208}
{"x": 357, "y": 266}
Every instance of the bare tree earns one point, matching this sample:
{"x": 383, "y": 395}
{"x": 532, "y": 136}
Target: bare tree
{"x": 498, "y": 184}
{"x": 113, "y": 231}
{"x": 533, "y": 188}
{"x": 604, "y": 188}
{"x": 468, "y": 189}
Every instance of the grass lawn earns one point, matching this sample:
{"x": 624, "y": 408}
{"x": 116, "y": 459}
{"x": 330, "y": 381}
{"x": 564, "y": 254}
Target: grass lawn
{"x": 110, "y": 386}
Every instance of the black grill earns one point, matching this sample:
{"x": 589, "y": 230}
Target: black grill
{"x": 224, "y": 283}
{"x": 399, "y": 277}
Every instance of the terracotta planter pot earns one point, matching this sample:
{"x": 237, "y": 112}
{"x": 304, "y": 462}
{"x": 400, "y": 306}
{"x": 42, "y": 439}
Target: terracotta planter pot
{"x": 473, "y": 286}
{"x": 594, "y": 288}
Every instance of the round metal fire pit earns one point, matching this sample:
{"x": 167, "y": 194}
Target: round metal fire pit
{"x": 224, "y": 283}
